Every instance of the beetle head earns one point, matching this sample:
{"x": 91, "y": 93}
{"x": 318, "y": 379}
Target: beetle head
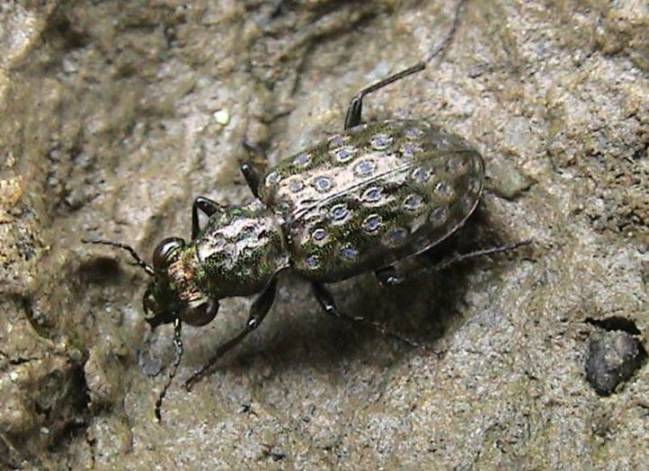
{"x": 169, "y": 297}
{"x": 166, "y": 297}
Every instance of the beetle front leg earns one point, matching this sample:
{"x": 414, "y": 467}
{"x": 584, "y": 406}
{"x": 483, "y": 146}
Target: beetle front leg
{"x": 328, "y": 304}
{"x": 258, "y": 311}
{"x": 208, "y": 207}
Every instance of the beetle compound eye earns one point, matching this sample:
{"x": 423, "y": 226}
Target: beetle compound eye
{"x": 201, "y": 314}
{"x": 163, "y": 253}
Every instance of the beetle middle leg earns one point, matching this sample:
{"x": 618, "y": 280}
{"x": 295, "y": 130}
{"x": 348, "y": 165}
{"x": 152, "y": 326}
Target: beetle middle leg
{"x": 258, "y": 311}
{"x": 328, "y": 304}
{"x": 252, "y": 177}
{"x": 389, "y": 276}
{"x": 250, "y": 173}
{"x": 205, "y": 205}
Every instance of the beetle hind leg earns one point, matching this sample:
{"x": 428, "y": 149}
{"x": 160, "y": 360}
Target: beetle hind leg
{"x": 248, "y": 170}
{"x": 461, "y": 257}
{"x": 328, "y": 304}
{"x": 354, "y": 113}
{"x": 429, "y": 262}
{"x": 355, "y": 109}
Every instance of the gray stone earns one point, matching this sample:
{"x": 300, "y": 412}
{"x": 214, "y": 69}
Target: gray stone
{"x": 613, "y": 358}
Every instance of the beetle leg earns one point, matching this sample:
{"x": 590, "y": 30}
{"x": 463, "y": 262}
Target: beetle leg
{"x": 258, "y": 311}
{"x": 355, "y": 110}
{"x": 252, "y": 177}
{"x": 353, "y": 116}
{"x": 208, "y": 207}
{"x": 250, "y": 173}
{"x": 389, "y": 276}
{"x": 178, "y": 344}
{"x": 461, "y": 257}
{"x": 328, "y": 304}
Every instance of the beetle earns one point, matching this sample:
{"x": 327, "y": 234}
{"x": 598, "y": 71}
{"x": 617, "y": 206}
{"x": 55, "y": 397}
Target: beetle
{"x": 362, "y": 200}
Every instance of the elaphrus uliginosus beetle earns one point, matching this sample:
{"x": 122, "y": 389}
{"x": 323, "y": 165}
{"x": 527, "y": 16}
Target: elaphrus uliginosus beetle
{"x": 366, "y": 198}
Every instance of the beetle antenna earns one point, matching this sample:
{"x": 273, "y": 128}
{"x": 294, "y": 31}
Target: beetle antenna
{"x": 178, "y": 343}
{"x": 141, "y": 263}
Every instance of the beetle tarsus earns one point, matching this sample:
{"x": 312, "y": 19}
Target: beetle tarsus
{"x": 388, "y": 276}
{"x": 441, "y": 47}
{"x": 462, "y": 257}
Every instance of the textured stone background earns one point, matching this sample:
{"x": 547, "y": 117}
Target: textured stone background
{"x": 116, "y": 114}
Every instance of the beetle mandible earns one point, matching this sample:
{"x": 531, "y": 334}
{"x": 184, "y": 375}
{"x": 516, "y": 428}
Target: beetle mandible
{"x": 364, "y": 199}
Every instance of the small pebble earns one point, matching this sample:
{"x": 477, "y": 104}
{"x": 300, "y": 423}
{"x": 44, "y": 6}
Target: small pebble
{"x": 613, "y": 358}
{"x": 222, "y": 117}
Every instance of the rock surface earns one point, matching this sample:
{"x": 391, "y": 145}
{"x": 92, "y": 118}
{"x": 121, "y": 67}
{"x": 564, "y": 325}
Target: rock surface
{"x": 117, "y": 114}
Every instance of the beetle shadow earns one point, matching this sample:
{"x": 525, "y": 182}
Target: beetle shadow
{"x": 426, "y": 308}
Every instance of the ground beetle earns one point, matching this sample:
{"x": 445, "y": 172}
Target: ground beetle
{"x": 366, "y": 198}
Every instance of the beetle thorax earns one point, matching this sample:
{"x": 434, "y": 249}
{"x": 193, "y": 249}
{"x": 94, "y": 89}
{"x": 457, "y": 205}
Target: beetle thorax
{"x": 239, "y": 251}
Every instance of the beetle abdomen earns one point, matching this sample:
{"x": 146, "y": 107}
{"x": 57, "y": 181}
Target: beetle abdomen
{"x": 372, "y": 195}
